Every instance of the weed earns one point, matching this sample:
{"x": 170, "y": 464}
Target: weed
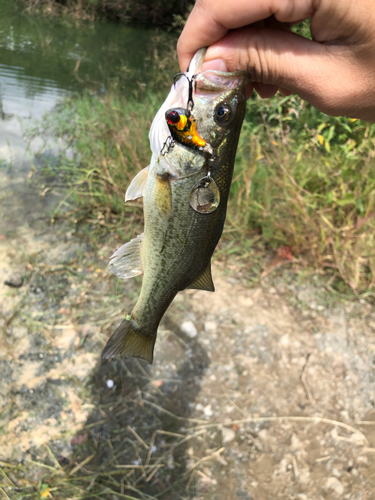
{"x": 313, "y": 187}
{"x": 170, "y": 13}
{"x": 302, "y": 179}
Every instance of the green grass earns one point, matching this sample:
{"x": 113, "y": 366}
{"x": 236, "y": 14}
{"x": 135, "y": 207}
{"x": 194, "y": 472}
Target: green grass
{"x": 302, "y": 179}
{"x": 109, "y": 137}
{"x": 313, "y": 187}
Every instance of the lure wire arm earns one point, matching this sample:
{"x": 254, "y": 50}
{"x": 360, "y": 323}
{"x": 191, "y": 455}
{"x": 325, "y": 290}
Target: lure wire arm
{"x": 168, "y": 145}
{"x": 190, "y": 103}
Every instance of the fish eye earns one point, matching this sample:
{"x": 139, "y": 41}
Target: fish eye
{"x": 223, "y": 113}
{"x": 173, "y": 117}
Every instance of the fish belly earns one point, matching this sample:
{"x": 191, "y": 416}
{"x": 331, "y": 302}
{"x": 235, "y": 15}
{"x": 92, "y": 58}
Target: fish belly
{"x": 177, "y": 247}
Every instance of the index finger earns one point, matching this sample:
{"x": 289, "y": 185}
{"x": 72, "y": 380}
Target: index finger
{"x": 210, "y": 20}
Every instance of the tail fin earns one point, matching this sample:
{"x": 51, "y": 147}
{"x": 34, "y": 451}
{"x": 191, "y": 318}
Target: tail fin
{"x": 129, "y": 340}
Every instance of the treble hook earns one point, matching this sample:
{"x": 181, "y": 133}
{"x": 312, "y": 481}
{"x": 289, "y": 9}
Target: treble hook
{"x": 176, "y": 76}
{"x": 190, "y": 103}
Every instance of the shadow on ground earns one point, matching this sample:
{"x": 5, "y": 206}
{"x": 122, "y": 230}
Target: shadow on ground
{"x": 134, "y": 433}
{"x": 262, "y": 392}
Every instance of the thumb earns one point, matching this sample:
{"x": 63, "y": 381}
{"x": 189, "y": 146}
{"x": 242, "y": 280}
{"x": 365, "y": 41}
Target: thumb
{"x": 333, "y": 78}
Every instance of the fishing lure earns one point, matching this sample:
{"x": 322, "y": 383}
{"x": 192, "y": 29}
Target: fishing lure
{"x": 182, "y": 127}
{"x": 205, "y": 195}
{"x": 181, "y": 123}
{"x": 191, "y": 81}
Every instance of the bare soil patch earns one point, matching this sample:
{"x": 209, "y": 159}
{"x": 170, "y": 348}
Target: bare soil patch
{"x": 258, "y": 392}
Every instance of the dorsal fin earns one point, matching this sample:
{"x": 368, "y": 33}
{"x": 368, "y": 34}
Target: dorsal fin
{"x": 137, "y": 185}
{"x": 204, "y": 282}
{"x": 126, "y": 262}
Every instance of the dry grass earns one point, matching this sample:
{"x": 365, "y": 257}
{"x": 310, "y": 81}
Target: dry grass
{"x": 114, "y": 461}
{"x": 304, "y": 189}
{"x": 302, "y": 179}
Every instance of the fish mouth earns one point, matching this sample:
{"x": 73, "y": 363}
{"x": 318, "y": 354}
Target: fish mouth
{"x": 208, "y": 86}
{"x": 214, "y": 79}
{"x": 212, "y": 83}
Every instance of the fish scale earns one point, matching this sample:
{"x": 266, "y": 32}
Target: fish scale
{"x": 178, "y": 242}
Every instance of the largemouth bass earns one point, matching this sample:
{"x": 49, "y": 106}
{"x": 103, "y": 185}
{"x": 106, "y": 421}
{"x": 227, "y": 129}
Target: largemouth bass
{"x": 185, "y": 189}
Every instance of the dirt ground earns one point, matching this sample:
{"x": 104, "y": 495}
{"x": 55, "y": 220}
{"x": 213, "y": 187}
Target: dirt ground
{"x": 256, "y": 392}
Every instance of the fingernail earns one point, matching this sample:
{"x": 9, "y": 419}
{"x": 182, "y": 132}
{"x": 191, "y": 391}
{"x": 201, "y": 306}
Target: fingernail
{"x": 214, "y": 64}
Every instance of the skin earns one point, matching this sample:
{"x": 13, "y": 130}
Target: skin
{"x": 335, "y": 71}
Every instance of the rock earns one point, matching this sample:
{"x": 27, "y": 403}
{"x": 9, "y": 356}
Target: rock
{"x": 334, "y": 484}
{"x": 284, "y": 340}
{"x": 19, "y": 332}
{"x": 263, "y": 434}
{"x": 362, "y": 459}
{"x": 188, "y": 327}
{"x": 335, "y": 472}
{"x": 15, "y": 280}
{"x": 228, "y": 435}
{"x": 208, "y": 411}
{"x": 210, "y": 326}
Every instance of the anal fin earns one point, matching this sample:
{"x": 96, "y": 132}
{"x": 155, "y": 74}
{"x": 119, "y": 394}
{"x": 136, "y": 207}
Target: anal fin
{"x": 126, "y": 262}
{"x": 204, "y": 281}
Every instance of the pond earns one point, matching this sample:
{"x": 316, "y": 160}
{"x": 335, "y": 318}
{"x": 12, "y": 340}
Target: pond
{"x": 42, "y": 60}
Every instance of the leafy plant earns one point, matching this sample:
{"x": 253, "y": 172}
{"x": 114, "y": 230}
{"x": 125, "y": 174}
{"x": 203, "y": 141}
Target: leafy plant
{"x": 302, "y": 179}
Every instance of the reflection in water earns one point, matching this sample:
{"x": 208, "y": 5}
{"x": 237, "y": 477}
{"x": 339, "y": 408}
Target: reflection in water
{"x": 22, "y": 97}
{"x": 42, "y": 60}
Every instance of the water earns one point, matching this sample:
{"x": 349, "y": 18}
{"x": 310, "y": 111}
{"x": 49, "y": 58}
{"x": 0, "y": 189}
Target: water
{"x": 42, "y": 60}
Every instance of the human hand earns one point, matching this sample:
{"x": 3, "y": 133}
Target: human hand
{"x": 335, "y": 71}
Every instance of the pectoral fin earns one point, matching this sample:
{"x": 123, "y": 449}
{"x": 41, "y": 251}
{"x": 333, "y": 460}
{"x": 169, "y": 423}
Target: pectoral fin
{"x": 204, "y": 282}
{"x": 126, "y": 262}
{"x": 137, "y": 185}
{"x": 163, "y": 196}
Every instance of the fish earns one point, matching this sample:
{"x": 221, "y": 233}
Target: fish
{"x": 185, "y": 189}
